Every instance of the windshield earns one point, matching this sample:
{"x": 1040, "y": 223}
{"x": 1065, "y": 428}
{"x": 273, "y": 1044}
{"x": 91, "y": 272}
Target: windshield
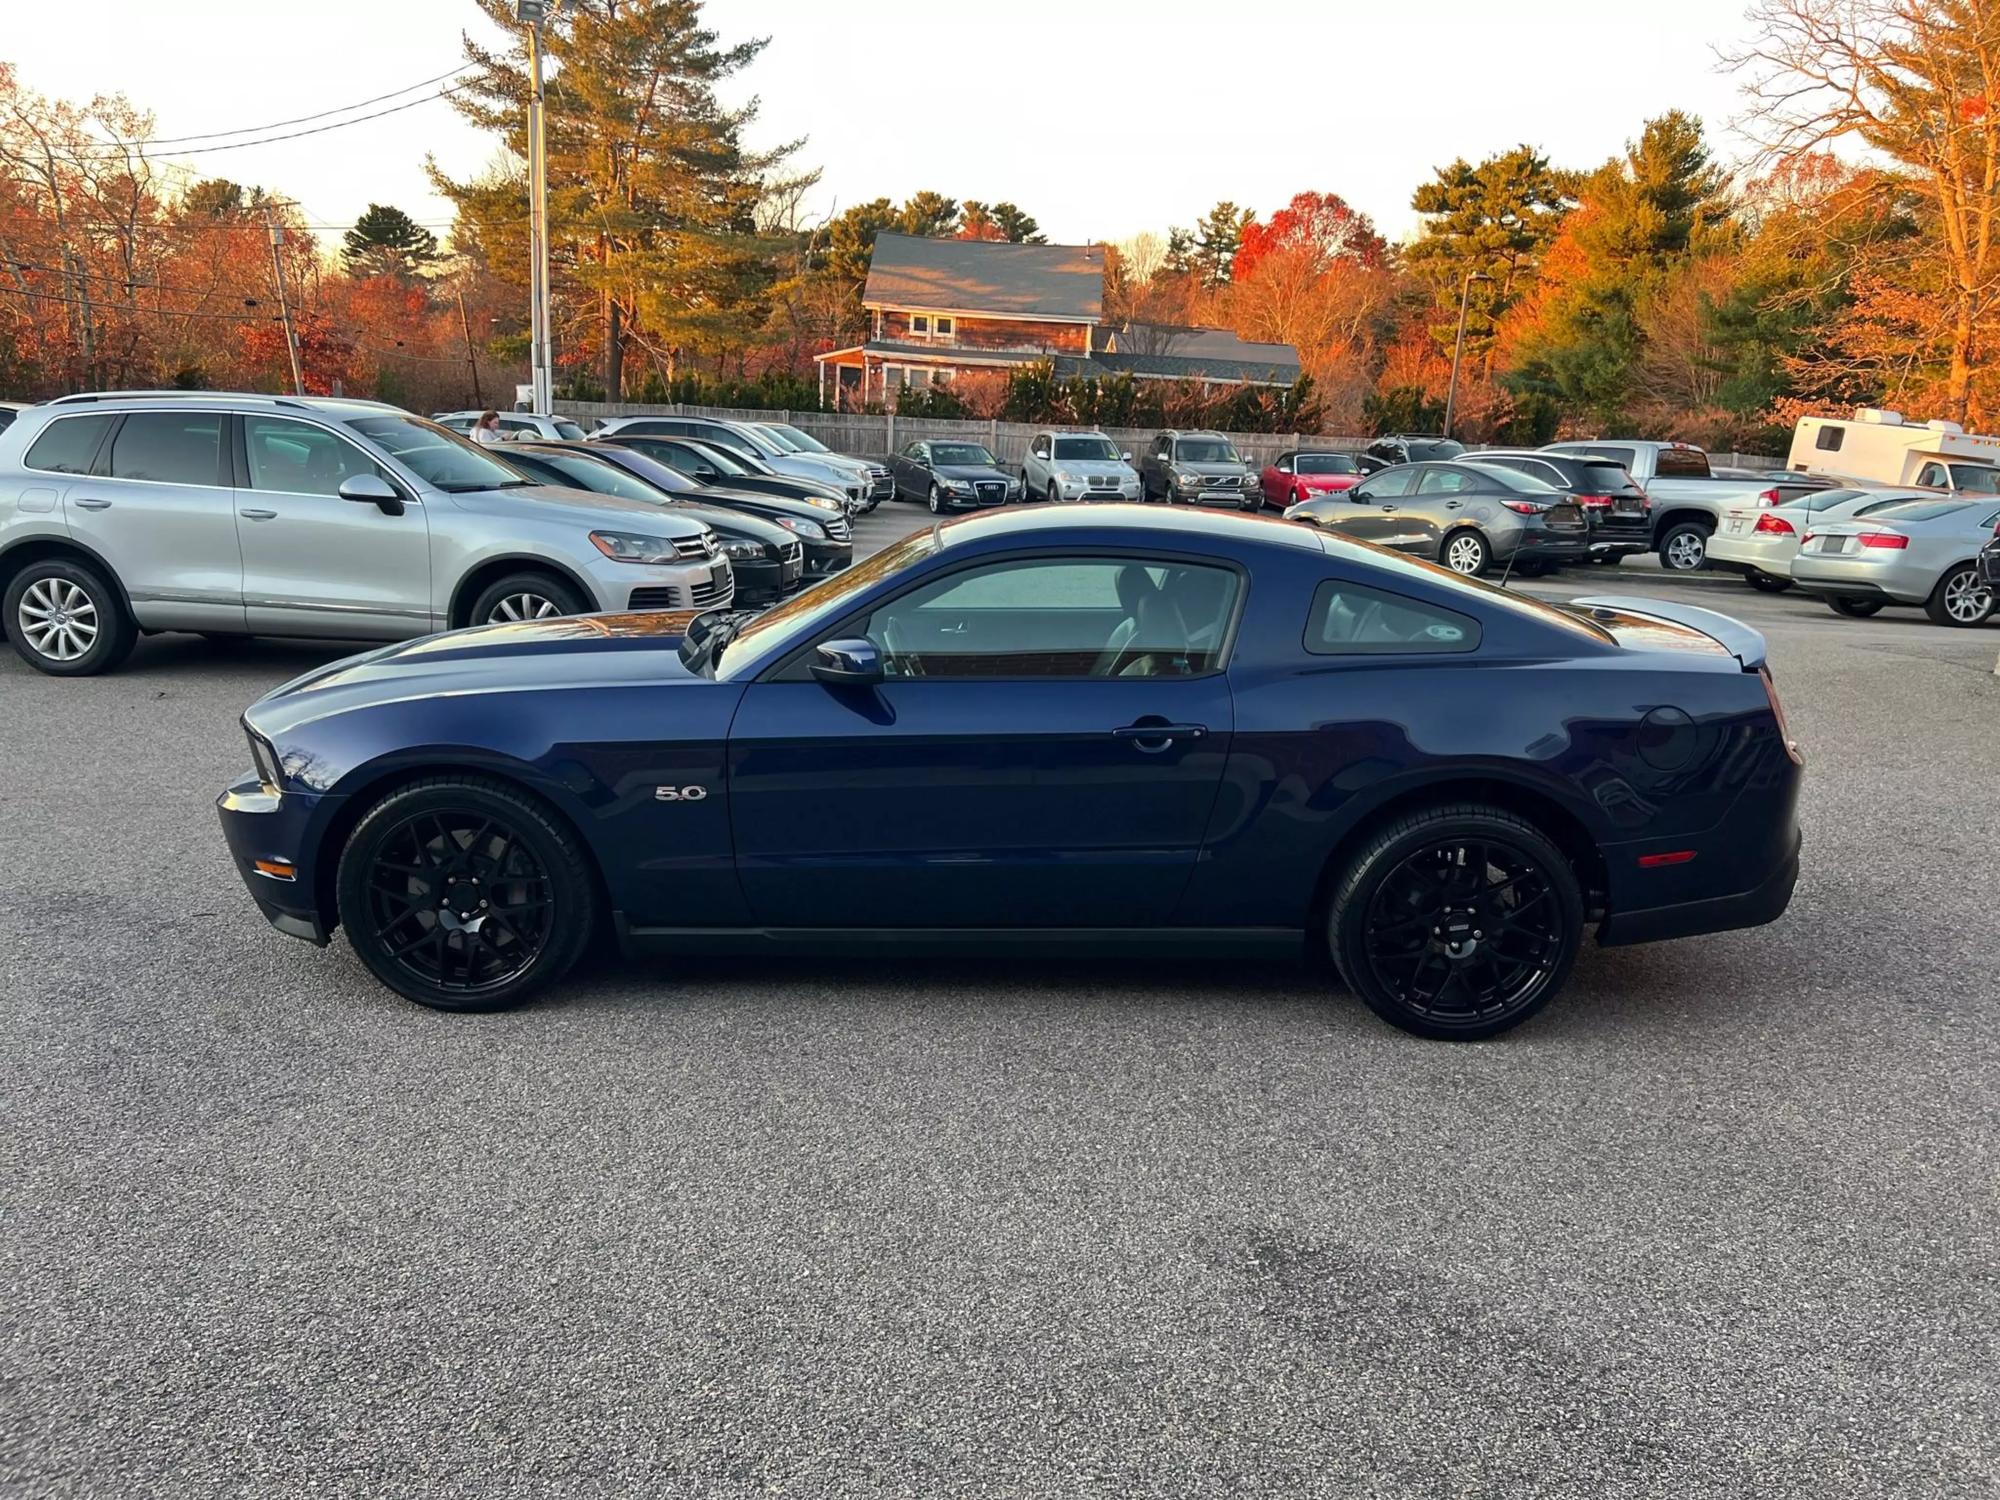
{"x": 803, "y": 612}
{"x": 1435, "y": 448}
{"x": 1205, "y": 451}
{"x": 660, "y": 475}
{"x": 1327, "y": 463}
{"x": 783, "y": 442}
{"x": 568, "y": 431}
{"x": 437, "y": 455}
{"x": 973, "y": 454}
{"x": 1095, "y": 450}
{"x": 730, "y": 460}
{"x": 1975, "y": 479}
{"x": 802, "y": 442}
{"x": 596, "y": 475}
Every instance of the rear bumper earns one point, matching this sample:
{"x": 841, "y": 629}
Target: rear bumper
{"x": 261, "y": 825}
{"x": 1543, "y": 546}
{"x": 1764, "y": 902}
{"x": 1855, "y": 578}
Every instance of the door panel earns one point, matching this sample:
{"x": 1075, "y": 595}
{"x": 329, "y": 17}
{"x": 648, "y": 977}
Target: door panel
{"x": 159, "y": 510}
{"x": 973, "y": 804}
{"x": 315, "y": 564}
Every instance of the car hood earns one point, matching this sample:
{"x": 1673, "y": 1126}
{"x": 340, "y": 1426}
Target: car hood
{"x": 558, "y": 503}
{"x": 1218, "y": 469}
{"x": 764, "y": 503}
{"x": 731, "y": 523}
{"x": 969, "y": 473}
{"x": 530, "y": 655}
{"x": 1116, "y": 467}
{"x": 1328, "y": 482}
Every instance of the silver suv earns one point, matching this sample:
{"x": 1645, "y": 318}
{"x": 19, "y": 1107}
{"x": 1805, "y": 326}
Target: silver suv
{"x": 139, "y": 512}
{"x": 1077, "y": 466}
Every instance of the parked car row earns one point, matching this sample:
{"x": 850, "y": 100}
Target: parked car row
{"x": 231, "y": 515}
{"x": 1865, "y": 550}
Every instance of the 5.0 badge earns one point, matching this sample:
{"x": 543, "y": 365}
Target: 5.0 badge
{"x": 679, "y": 793}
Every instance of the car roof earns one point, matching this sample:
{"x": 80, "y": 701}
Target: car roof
{"x": 126, "y": 400}
{"x": 1135, "y": 519}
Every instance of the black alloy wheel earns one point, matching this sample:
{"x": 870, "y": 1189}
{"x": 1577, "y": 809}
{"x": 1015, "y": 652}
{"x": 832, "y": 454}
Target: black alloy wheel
{"x": 465, "y": 894}
{"x": 1457, "y": 922}
{"x": 1853, "y": 607}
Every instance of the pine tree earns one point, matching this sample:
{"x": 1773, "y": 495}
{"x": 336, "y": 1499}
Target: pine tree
{"x": 1218, "y": 235}
{"x": 387, "y": 241}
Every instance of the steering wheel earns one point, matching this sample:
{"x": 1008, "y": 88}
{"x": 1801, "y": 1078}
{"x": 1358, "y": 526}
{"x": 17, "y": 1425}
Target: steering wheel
{"x": 892, "y": 647}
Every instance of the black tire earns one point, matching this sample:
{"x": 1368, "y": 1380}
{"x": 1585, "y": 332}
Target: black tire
{"x": 1383, "y": 893}
{"x": 512, "y": 599}
{"x": 66, "y": 619}
{"x": 465, "y": 840}
{"x": 1854, "y": 608}
{"x": 936, "y": 499}
{"x": 1684, "y": 547}
{"x": 1764, "y": 583}
{"x": 1957, "y": 598}
{"x": 1466, "y": 552}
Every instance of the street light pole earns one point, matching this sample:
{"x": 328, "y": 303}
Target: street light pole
{"x": 1458, "y": 347}
{"x": 532, "y": 13}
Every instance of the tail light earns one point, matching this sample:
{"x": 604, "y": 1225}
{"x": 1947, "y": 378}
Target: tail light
{"x": 1778, "y": 713}
{"x": 1525, "y": 507}
{"x": 1595, "y": 502}
{"x": 1773, "y": 525}
{"x": 1894, "y": 540}
{"x": 1768, "y": 497}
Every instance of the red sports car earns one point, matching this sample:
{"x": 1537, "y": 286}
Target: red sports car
{"x": 1292, "y": 477}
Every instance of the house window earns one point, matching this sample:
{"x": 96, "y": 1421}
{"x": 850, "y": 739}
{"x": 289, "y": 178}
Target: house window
{"x": 920, "y": 325}
{"x": 946, "y": 329}
{"x": 894, "y": 376}
{"x": 1827, "y": 439}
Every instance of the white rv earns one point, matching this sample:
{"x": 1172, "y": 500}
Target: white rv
{"x": 1879, "y": 447}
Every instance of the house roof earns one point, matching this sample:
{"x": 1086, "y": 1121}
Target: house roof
{"x": 989, "y": 276}
{"x": 1162, "y": 350}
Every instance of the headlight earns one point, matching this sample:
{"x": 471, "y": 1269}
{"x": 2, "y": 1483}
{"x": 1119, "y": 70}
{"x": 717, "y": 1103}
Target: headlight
{"x": 1015, "y": 489}
{"x": 823, "y": 504}
{"x": 1186, "y": 481}
{"x": 1063, "y": 476}
{"x": 266, "y": 760}
{"x": 744, "y": 548}
{"x": 803, "y": 527}
{"x": 958, "y": 486}
{"x": 625, "y": 546}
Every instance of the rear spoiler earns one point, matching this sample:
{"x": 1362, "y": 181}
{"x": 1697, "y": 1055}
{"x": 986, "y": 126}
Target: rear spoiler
{"x": 1738, "y": 639}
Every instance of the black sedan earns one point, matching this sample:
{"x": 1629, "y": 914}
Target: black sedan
{"x": 951, "y": 476}
{"x": 1468, "y": 516}
{"x": 1618, "y": 510}
{"x": 769, "y": 559}
{"x": 821, "y": 524}
{"x": 709, "y": 463}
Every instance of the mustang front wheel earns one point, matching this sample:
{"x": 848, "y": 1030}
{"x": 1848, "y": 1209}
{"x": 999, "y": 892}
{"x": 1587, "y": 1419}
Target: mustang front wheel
{"x": 1457, "y": 922}
{"x": 462, "y": 893}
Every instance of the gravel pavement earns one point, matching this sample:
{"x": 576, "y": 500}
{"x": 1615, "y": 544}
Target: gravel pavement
{"x": 1721, "y": 1222}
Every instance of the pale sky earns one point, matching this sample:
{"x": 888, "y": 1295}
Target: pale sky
{"x": 1099, "y": 117}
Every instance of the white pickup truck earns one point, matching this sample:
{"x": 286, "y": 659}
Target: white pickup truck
{"x": 1689, "y": 498}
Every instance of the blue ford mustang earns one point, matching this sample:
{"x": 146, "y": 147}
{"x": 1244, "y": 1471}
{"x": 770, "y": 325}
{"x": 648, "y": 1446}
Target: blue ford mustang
{"x": 1052, "y": 729}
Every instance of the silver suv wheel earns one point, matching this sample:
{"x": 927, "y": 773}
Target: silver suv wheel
{"x": 57, "y": 619}
{"x": 522, "y": 606}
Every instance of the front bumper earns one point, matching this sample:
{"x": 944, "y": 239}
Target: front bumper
{"x": 261, "y": 825}
{"x": 766, "y": 580}
{"x": 824, "y": 559}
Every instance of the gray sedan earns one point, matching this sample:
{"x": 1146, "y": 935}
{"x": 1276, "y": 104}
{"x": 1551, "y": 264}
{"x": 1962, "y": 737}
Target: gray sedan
{"x": 1467, "y": 516}
{"x": 1759, "y": 545}
{"x": 1922, "y": 553}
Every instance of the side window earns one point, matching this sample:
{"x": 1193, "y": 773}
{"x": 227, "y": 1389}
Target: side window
{"x": 1048, "y": 617}
{"x": 1828, "y": 438}
{"x": 1390, "y": 483}
{"x": 1931, "y": 474}
{"x": 920, "y": 325}
{"x": 1162, "y": 447}
{"x": 1445, "y": 482}
{"x": 169, "y": 447}
{"x": 722, "y": 437}
{"x": 68, "y": 445}
{"x": 1041, "y": 448}
{"x": 914, "y": 452}
{"x": 1680, "y": 463}
{"x": 1282, "y": 463}
{"x": 1348, "y": 619}
{"x": 300, "y": 459}
{"x": 518, "y": 424}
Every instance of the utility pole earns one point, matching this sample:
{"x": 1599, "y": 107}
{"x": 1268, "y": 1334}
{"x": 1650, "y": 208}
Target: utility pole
{"x": 284, "y": 305}
{"x": 1458, "y": 347}
{"x": 471, "y": 359}
{"x": 532, "y": 13}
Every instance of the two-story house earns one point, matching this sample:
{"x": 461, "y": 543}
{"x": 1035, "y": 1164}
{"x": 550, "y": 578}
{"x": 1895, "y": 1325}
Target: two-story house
{"x": 938, "y": 309}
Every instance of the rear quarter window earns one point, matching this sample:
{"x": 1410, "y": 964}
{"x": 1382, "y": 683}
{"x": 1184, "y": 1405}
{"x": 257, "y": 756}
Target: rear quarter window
{"x": 67, "y": 445}
{"x": 1351, "y": 619}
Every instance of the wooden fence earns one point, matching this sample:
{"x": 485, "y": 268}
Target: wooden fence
{"x": 874, "y": 436}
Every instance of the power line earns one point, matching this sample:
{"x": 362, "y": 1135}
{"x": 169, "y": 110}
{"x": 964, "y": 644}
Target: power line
{"x": 135, "y": 283}
{"x": 208, "y": 135}
{"x": 126, "y": 153}
{"x": 122, "y": 307}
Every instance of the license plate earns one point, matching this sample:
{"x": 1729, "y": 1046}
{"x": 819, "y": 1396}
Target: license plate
{"x": 1626, "y": 507}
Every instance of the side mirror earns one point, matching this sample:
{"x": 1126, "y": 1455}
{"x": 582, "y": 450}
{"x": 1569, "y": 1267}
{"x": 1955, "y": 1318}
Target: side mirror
{"x": 1126, "y": 456}
{"x": 372, "y": 489}
{"x": 849, "y": 663}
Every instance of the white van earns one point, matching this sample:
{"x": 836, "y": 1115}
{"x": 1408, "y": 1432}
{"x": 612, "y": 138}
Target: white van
{"x": 1879, "y": 447}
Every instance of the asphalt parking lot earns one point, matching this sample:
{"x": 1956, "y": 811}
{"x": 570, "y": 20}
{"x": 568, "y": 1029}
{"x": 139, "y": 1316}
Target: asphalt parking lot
{"x": 1721, "y": 1222}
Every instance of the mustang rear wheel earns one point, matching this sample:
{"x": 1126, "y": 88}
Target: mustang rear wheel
{"x": 462, "y": 893}
{"x": 1457, "y": 922}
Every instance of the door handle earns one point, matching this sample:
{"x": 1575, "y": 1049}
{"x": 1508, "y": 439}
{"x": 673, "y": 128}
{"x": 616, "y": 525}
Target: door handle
{"x": 1151, "y": 739}
{"x": 258, "y": 515}
{"x": 1453, "y": 504}
{"x": 93, "y": 503}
